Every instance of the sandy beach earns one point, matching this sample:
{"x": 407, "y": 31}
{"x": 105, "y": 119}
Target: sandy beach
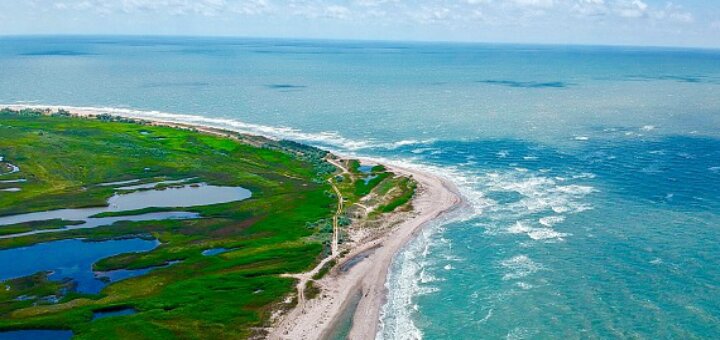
{"x": 317, "y": 318}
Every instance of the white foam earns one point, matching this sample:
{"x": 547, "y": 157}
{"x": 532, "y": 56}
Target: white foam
{"x": 546, "y": 234}
{"x": 550, "y": 221}
{"x": 584, "y": 175}
{"x": 524, "y": 285}
{"x": 647, "y": 128}
{"x": 519, "y": 266}
{"x": 519, "y": 333}
{"x": 537, "y": 234}
{"x": 487, "y": 316}
{"x": 576, "y": 189}
{"x": 519, "y": 228}
{"x": 403, "y": 284}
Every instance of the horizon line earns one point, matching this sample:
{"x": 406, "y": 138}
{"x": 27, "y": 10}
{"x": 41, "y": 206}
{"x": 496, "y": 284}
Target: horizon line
{"x": 349, "y": 40}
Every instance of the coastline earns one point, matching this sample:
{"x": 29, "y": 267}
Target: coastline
{"x": 317, "y": 318}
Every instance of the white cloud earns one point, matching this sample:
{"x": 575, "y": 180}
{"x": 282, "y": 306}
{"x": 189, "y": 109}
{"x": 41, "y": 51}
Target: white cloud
{"x": 431, "y": 15}
{"x": 534, "y": 3}
{"x": 590, "y": 8}
{"x": 630, "y": 8}
{"x": 173, "y": 7}
{"x": 336, "y": 12}
{"x": 674, "y": 13}
{"x": 481, "y": 16}
{"x": 374, "y": 3}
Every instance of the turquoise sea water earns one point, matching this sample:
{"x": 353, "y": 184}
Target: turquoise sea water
{"x": 593, "y": 173}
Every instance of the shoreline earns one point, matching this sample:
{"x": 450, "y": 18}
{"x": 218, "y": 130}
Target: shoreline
{"x": 316, "y": 318}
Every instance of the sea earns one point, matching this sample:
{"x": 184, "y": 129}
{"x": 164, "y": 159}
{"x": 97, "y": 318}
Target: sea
{"x": 592, "y": 173}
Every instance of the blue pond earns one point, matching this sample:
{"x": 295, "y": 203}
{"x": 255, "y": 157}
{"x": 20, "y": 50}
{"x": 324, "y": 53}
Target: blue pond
{"x": 214, "y": 251}
{"x": 69, "y": 259}
{"x": 36, "y": 335}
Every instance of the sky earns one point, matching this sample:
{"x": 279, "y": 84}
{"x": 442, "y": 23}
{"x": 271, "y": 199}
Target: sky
{"x": 694, "y": 23}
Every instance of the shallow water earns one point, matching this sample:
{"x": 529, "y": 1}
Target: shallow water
{"x": 591, "y": 171}
{"x": 181, "y": 197}
{"x": 215, "y": 251}
{"x": 344, "y": 323}
{"x": 22, "y": 180}
{"x": 122, "y": 274}
{"x": 98, "y": 222}
{"x": 69, "y": 259}
{"x": 112, "y": 184}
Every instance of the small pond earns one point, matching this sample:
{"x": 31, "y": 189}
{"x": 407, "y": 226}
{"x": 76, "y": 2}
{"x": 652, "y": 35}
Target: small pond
{"x": 215, "y": 251}
{"x": 69, "y": 259}
{"x": 367, "y": 170}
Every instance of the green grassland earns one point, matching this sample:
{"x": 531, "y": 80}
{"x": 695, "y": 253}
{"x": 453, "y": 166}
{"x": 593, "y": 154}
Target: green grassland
{"x": 379, "y": 188}
{"x": 225, "y": 296}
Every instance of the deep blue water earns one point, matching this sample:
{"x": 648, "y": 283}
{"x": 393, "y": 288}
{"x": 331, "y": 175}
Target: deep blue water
{"x": 593, "y": 173}
{"x": 69, "y": 259}
{"x": 36, "y": 335}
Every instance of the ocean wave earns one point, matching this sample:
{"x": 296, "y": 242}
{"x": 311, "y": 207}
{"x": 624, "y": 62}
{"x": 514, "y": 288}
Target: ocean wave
{"x": 403, "y": 284}
{"x": 543, "y": 233}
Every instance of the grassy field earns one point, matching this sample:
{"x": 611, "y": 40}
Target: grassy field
{"x": 223, "y": 296}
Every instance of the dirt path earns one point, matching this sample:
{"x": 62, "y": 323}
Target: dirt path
{"x": 303, "y": 278}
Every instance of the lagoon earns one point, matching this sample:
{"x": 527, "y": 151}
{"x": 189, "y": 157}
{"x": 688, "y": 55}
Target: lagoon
{"x": 71, "y": 259}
